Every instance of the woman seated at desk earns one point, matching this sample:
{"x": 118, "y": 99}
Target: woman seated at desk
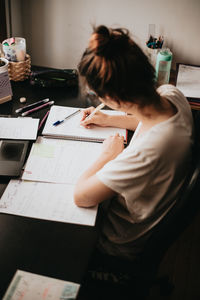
{"x": 143, "y": 180}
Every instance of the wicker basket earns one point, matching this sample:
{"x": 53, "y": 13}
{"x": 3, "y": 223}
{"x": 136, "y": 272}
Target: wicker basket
{"x": 19, "y": 71}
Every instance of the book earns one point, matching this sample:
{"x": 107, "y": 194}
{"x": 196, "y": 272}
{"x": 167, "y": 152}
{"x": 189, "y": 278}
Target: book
{"x": 47, "y": 186}
{"x": 71, "y": 129}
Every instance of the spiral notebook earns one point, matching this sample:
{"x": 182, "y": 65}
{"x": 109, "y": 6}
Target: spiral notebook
{"x": 70, "y": 128}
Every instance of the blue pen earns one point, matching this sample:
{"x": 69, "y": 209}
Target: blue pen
{"x": 66, "y": 118}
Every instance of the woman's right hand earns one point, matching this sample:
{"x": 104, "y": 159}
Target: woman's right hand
{"x": 98, "y": 118}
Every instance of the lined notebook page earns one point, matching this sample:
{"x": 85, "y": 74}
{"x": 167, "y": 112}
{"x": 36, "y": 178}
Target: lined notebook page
{"x": 71, "y": 129}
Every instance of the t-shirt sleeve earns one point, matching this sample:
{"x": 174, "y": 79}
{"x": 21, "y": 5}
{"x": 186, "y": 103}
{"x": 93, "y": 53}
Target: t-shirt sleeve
{"x": 129, "y": 173}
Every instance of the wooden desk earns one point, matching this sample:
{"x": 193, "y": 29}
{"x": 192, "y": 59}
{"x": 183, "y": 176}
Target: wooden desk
{"x": 54, "y": 249}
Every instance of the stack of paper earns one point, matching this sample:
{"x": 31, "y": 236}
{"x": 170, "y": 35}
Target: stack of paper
{"x": 54, "y": 166}
{"x": 188, "y": 82}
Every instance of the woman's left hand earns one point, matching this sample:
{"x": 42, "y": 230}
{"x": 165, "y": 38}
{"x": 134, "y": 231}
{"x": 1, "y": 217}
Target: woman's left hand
{"x": 113, "y": 146}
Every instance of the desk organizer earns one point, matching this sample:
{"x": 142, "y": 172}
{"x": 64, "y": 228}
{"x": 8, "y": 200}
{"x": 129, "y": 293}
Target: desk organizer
{"x": 19, "y": 71}
{"x": 5, "y": 87}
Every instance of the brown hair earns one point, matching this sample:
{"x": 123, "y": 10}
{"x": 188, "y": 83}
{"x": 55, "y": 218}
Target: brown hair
{"x": 113, "y": 65}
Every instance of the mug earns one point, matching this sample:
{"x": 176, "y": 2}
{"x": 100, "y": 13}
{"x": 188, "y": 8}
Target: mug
{"x": 3, "y": 65}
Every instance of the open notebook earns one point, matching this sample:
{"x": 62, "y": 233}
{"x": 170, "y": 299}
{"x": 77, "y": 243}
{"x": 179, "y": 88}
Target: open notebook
{"x": 71, "y": 129}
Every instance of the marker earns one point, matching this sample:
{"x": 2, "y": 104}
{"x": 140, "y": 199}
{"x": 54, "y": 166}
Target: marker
{"x": 43, "y": 120}
{"x": 98, "y": 108}
{"x": 31, "y": 105}
{"x": 69, "y": 116}
{"x": 37, "y": 108}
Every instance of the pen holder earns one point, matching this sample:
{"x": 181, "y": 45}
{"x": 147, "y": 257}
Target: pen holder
{"x": 14, "y": 49}
{"x": 19, "y": 71}
{"x": 152, "y": 55}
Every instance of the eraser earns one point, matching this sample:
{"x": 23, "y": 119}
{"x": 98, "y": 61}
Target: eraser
{"x": 22, "y": 99}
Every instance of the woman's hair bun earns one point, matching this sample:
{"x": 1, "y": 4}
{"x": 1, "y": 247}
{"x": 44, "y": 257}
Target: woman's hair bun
{"x": 106, "y": 42}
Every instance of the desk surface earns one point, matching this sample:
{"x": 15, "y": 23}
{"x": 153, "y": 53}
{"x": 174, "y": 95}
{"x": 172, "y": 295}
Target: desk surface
{"x": 48, "y": 248}
{"x": 54, "y": 249}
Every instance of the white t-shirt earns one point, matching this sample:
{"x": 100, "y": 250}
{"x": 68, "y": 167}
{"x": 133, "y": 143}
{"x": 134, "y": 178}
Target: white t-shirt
{"x": 147, "y": 176}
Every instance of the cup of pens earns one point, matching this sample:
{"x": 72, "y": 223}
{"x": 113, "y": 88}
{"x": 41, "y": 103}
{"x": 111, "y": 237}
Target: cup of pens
{"x": 153, "y": 45}
{"x": 14, "y": 49}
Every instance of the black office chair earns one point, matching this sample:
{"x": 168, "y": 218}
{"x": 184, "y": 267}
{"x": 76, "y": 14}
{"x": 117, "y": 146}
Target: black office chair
{"x": 124, "y": 280}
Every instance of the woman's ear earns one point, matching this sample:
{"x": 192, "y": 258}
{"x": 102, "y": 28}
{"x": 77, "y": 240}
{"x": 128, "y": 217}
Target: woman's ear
{"x": 118, "y": 104}
{"x": 112, "y": 103}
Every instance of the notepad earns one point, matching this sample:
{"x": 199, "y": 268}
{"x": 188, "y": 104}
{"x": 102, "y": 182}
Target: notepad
{"x": 71, "y": 129}
{"x": 18, "y": 128}
{"x": 29, "y": 286}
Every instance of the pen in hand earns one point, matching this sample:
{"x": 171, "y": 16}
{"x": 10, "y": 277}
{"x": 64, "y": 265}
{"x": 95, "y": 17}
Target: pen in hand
{"x": 98, "y": 108}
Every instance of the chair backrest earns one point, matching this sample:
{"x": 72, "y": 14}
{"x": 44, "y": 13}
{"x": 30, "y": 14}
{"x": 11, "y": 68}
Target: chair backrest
{"x": 182, "y": 213}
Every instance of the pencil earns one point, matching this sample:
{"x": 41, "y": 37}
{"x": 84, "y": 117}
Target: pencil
{"x": 37, "y": 108}
{"x": 98, "y": 108}
{"x": 43, "y": 120}
{"x": 30, "y": 106}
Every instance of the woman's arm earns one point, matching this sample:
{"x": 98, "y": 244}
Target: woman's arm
{"x": 101, "y": 119}
{"x": 89, "y": 190}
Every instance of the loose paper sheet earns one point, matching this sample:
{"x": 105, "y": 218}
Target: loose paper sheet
{"x": 29, "y": 286}
{"x": 59, "y": 161}
{"x": 188, "y": 81}
{"x": 18, "y": 128}
{"x": 45, "y": 201}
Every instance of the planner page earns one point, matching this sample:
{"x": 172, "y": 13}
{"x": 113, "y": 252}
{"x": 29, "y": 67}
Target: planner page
{"x": 46, "y": 201}
{"x": 59, "y": 161}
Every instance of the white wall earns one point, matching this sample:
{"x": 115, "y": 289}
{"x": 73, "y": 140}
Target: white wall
{"x": 16, "y": 18}
{"x": 57, "y": 31}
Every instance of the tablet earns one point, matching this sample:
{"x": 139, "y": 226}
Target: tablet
{"x": 12, "y": 156}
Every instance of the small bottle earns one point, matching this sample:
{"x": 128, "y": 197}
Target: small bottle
{"x": 163, "y": 66}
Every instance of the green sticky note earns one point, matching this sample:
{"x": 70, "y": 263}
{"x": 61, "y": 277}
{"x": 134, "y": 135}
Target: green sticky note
{"x": 43, "y": 150}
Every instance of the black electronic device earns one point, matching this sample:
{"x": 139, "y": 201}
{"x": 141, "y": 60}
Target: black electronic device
{"x": 12, "y": 156}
